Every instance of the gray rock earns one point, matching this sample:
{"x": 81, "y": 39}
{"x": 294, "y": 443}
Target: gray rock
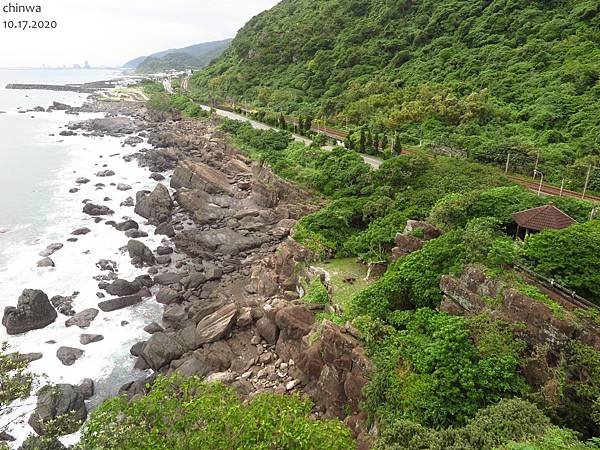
{"x": 107, "y": 264}
{"x": 86, "y": 339}
{"x": 87, "y": 388}
{"x": 163, "y": 250}
{"x": 144, "y": 280}
{"x": 97, "y": 210}
{"x": 105, "y": 173}
{"x": 46, "y": 262}
{"x": 156, "y": 176}
{"x": 64, "y": 305}
{"x": 153, "y": 328}
{"x": 135, "y": 234}
{"x": 193, "y": 280}
{"x": 216, "y": 325}
{"x": 168, "y": 278}
{"x": 156, "y": 207}
{"x": 127, "y": 225}
{"x": 83, "y": 319}
{"x": 33, "y": 311}
{"x": 174, "y": 314}
{"x": 137, "y": 348}
{"x": 140, "y": 254}
{"x": 163, "y": 260}
{"x": 68, "y": 355}
{"x": 212, "y": 272}
{"x": 166, "y": 296}
{"x": 122, "y": 287}
{"x": 123, "y": 187}
{"x": 82, "y": 180}
{"x": 202, "y": 308}
{"x": 165, "y": 229}
{"x": 268, "y": 330}
{"x": 56, "y": 401}
{"x": 81, "y": 231}
{"x": 160, "y": 350}
{"x": 51, "y": 249}
{"x": 119, "y": 303}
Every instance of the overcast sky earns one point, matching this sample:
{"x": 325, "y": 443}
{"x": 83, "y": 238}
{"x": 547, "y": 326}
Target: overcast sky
{"x": 111, "y": 32}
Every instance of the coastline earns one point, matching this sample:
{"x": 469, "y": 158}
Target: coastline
{"x": 197, "y": 277}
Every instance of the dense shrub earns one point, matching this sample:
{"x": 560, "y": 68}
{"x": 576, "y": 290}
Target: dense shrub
{"x": 439, "y": 370}
{"x": 569, "y": 256}
{"x": 185, "y": 414}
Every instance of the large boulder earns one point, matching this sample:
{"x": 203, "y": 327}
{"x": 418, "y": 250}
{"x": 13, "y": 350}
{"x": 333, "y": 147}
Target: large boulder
{"x": 122, "y": 287}
{"x": 156, "y": 207}
{"x": 160, "y": 350}
{"x": 216, "y": 325}
{"x": 140, "y": 253}
{"x": 56, "y": 401}
{"x": 33, "y": 311}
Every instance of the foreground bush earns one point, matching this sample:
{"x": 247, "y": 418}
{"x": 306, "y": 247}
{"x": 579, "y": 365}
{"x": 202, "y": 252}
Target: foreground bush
{"x": 189, "y": 414}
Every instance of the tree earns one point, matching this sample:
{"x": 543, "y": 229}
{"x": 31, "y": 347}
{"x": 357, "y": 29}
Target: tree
{"x": 376, "y": 143}
{"x": 282, "y": 124}
{"x": 362, "y": 143}
{"x": 397, "y": 145}
{"x": 384, "y": 142}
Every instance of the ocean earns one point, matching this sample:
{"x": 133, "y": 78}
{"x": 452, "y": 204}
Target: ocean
{"x": 38, "y": 167}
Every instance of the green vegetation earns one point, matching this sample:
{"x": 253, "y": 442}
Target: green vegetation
{"x": 569, "y": 256}
{"x": 468, "y": 78}
{"x": 500, "y": 426}
{"x": 15, "y": 382}
{"x": 192, "y": 57}
{"x": 316, "y": 293}
{"x": 460, "y": 84}
{"x": 429, "y": 370}
{"x": 161, "y": 101}
{"x": 172, "y": 61}
{"x": 347, "y": 278}
{"x": 188, "y": 413}
{"x": 433, "y": 372}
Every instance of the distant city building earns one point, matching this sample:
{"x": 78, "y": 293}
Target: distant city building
{"x": 76, "y": 66}
{"x": 86, "y": 65}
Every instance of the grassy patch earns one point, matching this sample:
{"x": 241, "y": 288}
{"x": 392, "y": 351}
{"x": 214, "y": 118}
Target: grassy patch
{"x": 341, "y": 271}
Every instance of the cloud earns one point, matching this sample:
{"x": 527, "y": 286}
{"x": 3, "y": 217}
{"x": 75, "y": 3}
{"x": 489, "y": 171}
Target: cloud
{"x": 110, "y": 32}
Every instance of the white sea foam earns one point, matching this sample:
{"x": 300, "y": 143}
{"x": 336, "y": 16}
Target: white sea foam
{"x": 107, "y": 362}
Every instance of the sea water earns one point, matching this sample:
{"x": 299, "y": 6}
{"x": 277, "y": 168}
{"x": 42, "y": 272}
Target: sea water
{"x": 37, "y": 169}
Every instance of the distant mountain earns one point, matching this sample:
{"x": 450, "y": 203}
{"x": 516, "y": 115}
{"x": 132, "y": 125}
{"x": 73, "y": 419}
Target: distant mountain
{"x": 171, "y": 61}
{"x": 195, "y": 57}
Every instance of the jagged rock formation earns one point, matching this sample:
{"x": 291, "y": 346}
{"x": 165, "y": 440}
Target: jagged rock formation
{"x": 475, "y": 292}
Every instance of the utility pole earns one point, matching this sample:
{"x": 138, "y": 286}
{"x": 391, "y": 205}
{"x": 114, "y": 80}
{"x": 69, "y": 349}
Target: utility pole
{"x": 537, "y": 160}
{"x": 587, "y": 180}
{"x": 507, "y": 163}
{"x": 541, "y": 181}
{"x": 562, "y": 186}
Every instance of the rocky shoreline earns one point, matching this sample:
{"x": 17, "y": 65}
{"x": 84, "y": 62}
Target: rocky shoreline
{"x": 226, "y": 273}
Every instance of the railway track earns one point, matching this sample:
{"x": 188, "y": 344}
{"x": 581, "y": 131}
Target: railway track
{"x": 551, "y": 190}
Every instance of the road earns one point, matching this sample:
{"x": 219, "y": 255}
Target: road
{"x": 370, "y": 160}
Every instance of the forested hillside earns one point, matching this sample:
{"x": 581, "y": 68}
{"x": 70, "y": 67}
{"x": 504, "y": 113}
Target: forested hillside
{"x": 191, "y": 57}
{"x": 474, "y": 78}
